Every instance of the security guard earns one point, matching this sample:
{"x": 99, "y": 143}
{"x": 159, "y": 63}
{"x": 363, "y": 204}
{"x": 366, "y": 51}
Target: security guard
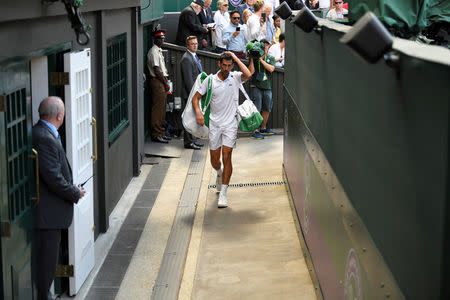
{"x": 159, "y": 87}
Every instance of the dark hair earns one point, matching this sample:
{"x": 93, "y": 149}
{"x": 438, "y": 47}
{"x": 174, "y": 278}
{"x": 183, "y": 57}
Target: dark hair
{"x": 234, "y": 12}
{"x": 191, "y": 37}
{"x": 275, "y": 17}
{"x": 281, "y": 38}
{"x": 225, "y": 56}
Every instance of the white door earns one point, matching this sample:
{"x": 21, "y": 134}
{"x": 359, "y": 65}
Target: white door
{"x": 79, "y": 152}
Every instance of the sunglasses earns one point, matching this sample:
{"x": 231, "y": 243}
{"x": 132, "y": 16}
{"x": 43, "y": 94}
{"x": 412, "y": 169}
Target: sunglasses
{"x": 338, "y": 2}
{"x": 235, "y": 18}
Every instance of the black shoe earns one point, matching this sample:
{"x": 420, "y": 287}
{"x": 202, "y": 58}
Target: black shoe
{"x": 166, "y": 137}
{"x": 198, "y": 144}
{"x": 159, "y": 139}
{"x": 192, "y": 146}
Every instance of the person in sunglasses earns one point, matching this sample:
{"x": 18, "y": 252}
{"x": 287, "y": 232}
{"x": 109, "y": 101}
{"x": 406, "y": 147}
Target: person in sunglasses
{"x": 338, "y": 11}
{"x": 233, "y": 37}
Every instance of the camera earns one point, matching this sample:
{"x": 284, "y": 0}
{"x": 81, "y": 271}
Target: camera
{"x": 238, "y": 28}
{"x": 255, "y": 49}
{"x": 263, "y": 15}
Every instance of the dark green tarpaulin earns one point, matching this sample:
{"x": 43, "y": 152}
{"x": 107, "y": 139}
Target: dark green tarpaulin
{"x": 404, "y": 17}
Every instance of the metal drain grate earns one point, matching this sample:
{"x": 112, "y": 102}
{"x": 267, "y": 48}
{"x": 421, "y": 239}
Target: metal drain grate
{"x": 251, "y": 184}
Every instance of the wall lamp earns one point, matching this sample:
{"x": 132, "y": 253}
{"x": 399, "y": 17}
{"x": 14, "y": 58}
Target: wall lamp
{"x": 370, "y": 40}
{"x": 304, "y": 18}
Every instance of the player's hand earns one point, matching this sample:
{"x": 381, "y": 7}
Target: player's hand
{"x": 199, "y": 119}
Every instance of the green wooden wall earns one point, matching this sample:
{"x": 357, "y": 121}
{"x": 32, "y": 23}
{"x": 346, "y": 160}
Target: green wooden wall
{"x": 385, "y": 135}
{"x": 151, "y": 10}
{"x": 178, "y": 5}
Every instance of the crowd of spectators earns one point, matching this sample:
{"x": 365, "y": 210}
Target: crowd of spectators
{"x": 231, "y": 28}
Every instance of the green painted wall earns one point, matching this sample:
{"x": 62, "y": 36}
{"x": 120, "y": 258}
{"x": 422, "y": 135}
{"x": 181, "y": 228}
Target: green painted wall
{"x": 151, "y": 10}
{"x": 385, "y": 134}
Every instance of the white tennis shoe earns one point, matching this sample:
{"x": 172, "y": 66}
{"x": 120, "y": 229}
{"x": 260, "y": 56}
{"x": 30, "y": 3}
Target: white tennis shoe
{"x": 222, "y": 203}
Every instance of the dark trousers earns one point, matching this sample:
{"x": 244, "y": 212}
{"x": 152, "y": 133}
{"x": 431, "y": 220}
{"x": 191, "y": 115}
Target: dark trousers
{"x": 188, "y": 138}
{"x": 47, "y": 249}
{"x": 159, "y": 97}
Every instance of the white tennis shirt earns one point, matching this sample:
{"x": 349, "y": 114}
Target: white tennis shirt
{"x": 224, "y": 99}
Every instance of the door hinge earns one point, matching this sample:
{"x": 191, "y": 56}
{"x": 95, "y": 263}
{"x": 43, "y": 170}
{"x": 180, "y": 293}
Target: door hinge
{"x": 64, "y": 271}
{"x": 5, "y": 229}
{"x": 2, "y": 103}
{"x": 59, "y": 78}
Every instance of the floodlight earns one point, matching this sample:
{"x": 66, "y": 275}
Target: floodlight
{"x": 283, "y": 10}
{"x": 368, "y": 38}
{"x": 305, "y": 19}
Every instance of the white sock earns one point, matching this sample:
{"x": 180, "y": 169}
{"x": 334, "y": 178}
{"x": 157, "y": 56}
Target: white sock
{"x": 220, "y": 171}
{"x": 224, "y": 188}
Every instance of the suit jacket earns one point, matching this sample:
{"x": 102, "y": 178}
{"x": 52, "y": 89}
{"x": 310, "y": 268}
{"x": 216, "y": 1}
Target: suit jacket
{"x": 57, "y": 193}
{"x": 241, "y": 9}
{"x": 189, "y": 72}
{"x": 206, "y": 19}
{"x": 189, "y": 24}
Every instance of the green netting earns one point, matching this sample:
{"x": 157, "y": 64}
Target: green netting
{"x": 404, "y": 17}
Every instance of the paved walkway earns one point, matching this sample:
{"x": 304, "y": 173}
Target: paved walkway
{"x": 249, "y": 250}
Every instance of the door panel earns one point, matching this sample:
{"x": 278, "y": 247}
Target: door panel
{"x": 79, "y": 146}
{"x": 16, "y": 190}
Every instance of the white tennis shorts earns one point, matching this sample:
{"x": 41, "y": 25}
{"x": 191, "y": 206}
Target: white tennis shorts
{"x": 222, "y": 136}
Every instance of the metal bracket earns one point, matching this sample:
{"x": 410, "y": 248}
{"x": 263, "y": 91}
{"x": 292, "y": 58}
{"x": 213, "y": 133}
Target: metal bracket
{"x": 2, "y": 103}
{"x": 59, "y": 78}
{"x": 64, "y": 271}
{"x": 5, "y": 230}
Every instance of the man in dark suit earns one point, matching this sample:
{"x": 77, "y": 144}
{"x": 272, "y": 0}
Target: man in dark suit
{"x": 190, "y": 69}
{"x": 54, "y": 211}
{"x": 189, "y": 23}
{"x": 206, "y": 17}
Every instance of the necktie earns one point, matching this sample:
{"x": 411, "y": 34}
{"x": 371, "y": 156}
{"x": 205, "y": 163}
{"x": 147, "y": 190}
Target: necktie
{"x": 199, "y": 64}
{"x": 59, "y": 139}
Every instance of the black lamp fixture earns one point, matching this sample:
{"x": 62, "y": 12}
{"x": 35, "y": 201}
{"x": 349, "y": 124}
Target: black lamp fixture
{"x": 305, "y": 19}
{"x": 369, "y": 39}
{"x": 284, "y": 11}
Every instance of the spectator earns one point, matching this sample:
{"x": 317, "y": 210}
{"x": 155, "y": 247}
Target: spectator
{"x": 233, "y": 37}
{"x": 273, "y": 4}
{"x": 191, "y": 67}
{"x": 277, "y": 51}
{"x": 247, "y": 5}
{"x": 255, "y": 23}
{"x": 270, "y": 29}
{"x": 159, "y": 86}
{"x": 206, "y": 19}
{"x": 262, "y": 89}
{"x": 244, "y": 28}
{"x": 189, "y": 24}
{"x": 338, "y": 11}
{"x": 222, "y": 19}
{"x": 276, "y": 25}
{"x": 312, "y": 4}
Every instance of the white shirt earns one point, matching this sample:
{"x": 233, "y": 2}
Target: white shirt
{"x": 275, "y": 51}
{"x": 224, "y": 99}
{"x": 254, "y": 28}
{"x": 155, "y": 58}
{"x": 222, "y": 21}
{"x": 333, "y": 14}
{"x": 274, "y": 4}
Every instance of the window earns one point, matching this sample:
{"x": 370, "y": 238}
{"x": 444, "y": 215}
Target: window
{"x": 117, "y": 86}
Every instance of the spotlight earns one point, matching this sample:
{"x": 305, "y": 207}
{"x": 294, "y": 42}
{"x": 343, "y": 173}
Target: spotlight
{"x": 368, "y": 38}
{"x": 284, "y": 11}
{"x": 305, "y": 19}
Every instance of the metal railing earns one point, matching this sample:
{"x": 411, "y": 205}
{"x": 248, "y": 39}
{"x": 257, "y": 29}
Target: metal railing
{"x": 209, "y": 64}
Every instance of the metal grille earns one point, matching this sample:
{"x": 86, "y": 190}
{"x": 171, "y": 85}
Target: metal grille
{"x": 17, "y": 151}
{"x": 251, "y": 184}
{"x": 117, "y": 86}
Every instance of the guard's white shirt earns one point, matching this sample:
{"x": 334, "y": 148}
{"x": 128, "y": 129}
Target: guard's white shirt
{"x": 224, "y": 99}
{"x": 275, "y": 51}
{"x": 155, "y": 58}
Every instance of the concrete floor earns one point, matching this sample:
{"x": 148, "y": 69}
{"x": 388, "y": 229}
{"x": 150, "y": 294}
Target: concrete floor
{"x": 249, "y": 250}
